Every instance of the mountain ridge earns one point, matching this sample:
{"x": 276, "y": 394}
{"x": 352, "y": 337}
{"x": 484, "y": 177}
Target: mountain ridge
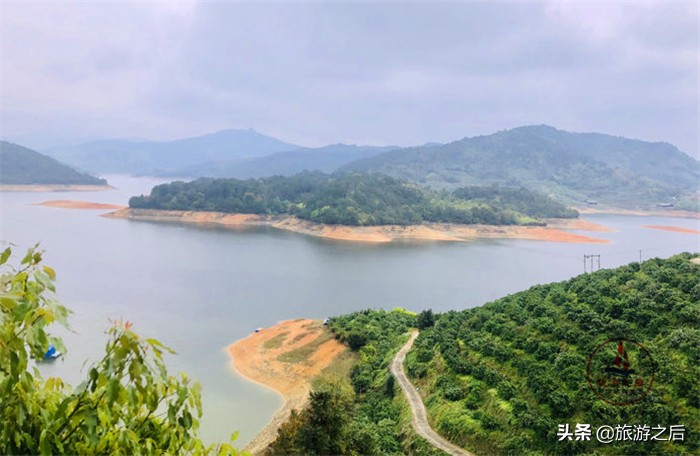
{"x": 21, "y": 165}
{"x": 573, "y": 166}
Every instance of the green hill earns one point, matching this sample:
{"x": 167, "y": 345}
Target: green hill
{"x": 355, "y": 199}
{"x": 502, "y": 377}
{"x": 22, "y": 166}
{"x": 572, "y": 166}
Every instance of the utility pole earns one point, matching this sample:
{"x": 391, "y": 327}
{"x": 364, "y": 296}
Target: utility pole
{"x": 591, "y": 257}
{"x": 640, "y": 255}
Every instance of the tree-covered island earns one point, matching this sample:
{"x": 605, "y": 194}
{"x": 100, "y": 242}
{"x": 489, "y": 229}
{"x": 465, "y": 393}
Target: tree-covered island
{"x": 356, "y": 200}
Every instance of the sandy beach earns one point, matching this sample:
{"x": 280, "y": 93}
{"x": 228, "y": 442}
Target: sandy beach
{"x": 641, "y": 213}
{"x": 285, "y": 357}
{"x": 557, "y": 230}
{"x": 71, "y": 204}
{"x": 674, "y": 229}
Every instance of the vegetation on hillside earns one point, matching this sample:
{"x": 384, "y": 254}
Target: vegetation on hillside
{"x": 22, "y": 166}
{"x": 128, "y": 404}
{"x": 354, "y": 199}
{"x": 364, "y": 414}
{"x": 500, "y": 378}
{"x": 574, "y": 166}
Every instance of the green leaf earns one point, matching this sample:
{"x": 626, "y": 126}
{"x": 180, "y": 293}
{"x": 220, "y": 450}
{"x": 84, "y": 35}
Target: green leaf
{"x": 5, "y": 255}
{"x": 113, "y": 387}
{"x": 49, "y": 271}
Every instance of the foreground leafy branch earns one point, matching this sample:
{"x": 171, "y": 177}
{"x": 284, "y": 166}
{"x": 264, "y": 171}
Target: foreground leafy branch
{"x": 129, "y": 403}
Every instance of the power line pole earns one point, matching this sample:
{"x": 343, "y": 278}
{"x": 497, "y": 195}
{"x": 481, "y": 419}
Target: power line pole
{"x": 591, "y": 257}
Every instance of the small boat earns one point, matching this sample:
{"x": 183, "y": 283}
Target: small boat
{"x": 257, "y": 330}
{"x": 52, "y": 353}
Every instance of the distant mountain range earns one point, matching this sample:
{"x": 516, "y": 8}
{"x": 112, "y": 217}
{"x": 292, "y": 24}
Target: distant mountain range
{"x": 151, "y": 157}
{"x": 22, "y": 166}
{"x": 326, "y": 159}
{"x": 572, "y": 166}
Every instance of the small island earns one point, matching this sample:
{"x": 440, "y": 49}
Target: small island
{"x": 362, "y": 207}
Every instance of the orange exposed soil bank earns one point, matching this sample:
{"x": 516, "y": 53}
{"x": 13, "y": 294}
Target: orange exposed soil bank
{"x": 654, "y": 213}
{"x": 675, "y": 229}
{"x": 68, "y": 204}
{"x": 378, "y": 234}
{"x": 284, "y": 357}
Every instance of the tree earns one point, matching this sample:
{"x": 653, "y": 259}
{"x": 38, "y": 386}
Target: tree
{"x": 127, "y": 404}
{"x": 426, "y": 319}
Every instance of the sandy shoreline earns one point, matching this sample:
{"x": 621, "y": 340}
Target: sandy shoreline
{"x": 72, "y": 204}
{"x": 639, "y": 213}
{"x": 673, "y": 229}
{"x": 557, "y": 230}
{"x": 285, "y": 357}
{"x": 54, "y": 188}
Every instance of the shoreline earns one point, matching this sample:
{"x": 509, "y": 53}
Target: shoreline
{"x": 54, "y": 188}
{"x": 638, "y": 212}
{"x": 557, "y": 230}
{"x": 72, "y": 204}
{"x": 285, "y": 358}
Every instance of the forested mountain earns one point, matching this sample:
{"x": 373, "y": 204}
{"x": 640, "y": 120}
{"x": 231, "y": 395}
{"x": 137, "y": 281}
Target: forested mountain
{"x": 22, "y": 166}
{"x": 502, "y": 378}
{"x": 575, "y": 166}
{"x": 150, "y": 157}
{"x": 326, "y": 159}
{"x": 354, "y": 199}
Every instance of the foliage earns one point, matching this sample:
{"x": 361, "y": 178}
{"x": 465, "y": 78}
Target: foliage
{"x": 353, "y": 199}
{"x": 128, "y": 404}
{"x": 23, "y": 166}
{"x": 426, "y": 319}
{"x": 501, "y": 377}
{"x": 572, "y": 166}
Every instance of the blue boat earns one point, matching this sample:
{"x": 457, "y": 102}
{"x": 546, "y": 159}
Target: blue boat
{"x": 52, "y": 353}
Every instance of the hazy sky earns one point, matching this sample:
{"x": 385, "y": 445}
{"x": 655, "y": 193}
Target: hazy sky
{"x": 382, "y": 73}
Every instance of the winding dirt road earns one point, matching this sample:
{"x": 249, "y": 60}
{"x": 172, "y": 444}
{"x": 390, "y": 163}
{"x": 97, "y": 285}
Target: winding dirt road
{"x": 420, "y": 416}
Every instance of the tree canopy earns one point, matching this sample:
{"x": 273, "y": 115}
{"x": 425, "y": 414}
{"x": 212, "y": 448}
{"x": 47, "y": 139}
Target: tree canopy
{"x": 355, "y": 199}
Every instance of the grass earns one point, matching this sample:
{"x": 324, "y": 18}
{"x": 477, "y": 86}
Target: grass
{"x": 275, "y": 342}
{"x": 303, "y": 353}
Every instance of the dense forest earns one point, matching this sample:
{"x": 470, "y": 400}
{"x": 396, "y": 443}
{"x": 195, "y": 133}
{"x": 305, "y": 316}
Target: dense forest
{"x": 502, "y": 378}
{"x": 355, "y": 199}
{"x": 575, "y": 166}
{"x": 22, "y": 166}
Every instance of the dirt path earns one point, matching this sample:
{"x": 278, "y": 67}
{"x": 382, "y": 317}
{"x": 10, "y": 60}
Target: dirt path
{"x": 420, "y": 415}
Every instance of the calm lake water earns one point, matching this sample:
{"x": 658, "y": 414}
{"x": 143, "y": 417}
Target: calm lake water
{"x": 199, "y": 289}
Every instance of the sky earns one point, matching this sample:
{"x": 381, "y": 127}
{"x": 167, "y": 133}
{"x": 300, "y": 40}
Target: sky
{"x": 401, "y": 73}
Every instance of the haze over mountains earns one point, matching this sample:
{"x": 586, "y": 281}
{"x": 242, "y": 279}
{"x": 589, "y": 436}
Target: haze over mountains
{"x": 22, "y": 166}
{"x": 288, "y": 163}
{"x": 152, "y": 157}
{"x": 573, "y": 167}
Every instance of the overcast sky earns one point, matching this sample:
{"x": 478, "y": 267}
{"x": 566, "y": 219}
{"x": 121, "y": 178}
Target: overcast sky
{"x": 315, "y": 73}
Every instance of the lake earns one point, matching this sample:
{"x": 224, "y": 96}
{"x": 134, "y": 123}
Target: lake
{"x": 199, "y": 289}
